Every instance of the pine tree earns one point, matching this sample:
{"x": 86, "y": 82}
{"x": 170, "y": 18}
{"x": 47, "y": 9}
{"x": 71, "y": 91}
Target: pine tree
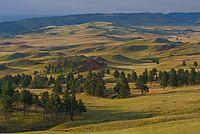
{"x": 164, "y": 79}
{"x": 26, "y": 98}
{"x": 159, "y": 75}
{"x": 66, "y": 101}
{"x": 44, "y": 99}
{"x": 36, "y": 101}
{"x": 81, "y": 107}
{"x": 8, "y": 89}
{"x": 54, "y": 106}
{"x": 102, "y": 73}
{"x": 99, "y": 91}
{"x": 129, "y": 77}
{"x": 173, "y": 78}
{"x": 7, "y": 105}
{"x": 122, "y": 74}
{"x": 116, "y": 74}
{"x": 51, "y": 80}
{"x": 195, "y": 64}
{"x": 108, "y": 71}
{"x": 192, "y": 76}
{"x": 122, "y": 88}
{"x": 17, "y": 97}
{"x": 117, "y": 87}
{"x": 154, "y": 70}
{"x": 7, "y": 99}
{"x": 73, "y": 106}
{"x": 57, "y": 88}
{"x": 145, "y": 76}
{"x": 35, "y": 72}
{"x": 140, "y": 84}
{"x": 180, "y": 77}
{"x": 133, "y": 76}
{"x": 186, "y": 77}
{"x": 151, "y": 77}
{"x": 90, "y": 74}
{"x": 86, "y": 86}
{"x": 61, "y": 79}
{"x": 198, "y": 78}
{"x": 184, "y": 64}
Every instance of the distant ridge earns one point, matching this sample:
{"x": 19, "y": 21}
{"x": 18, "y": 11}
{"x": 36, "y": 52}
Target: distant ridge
{"x": 128, "y": 19}
{"x": 186, "y": 17}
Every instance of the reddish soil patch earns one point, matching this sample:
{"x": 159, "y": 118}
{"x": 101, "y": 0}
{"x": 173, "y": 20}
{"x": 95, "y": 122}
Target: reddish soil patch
{"x": 100, "y": 59}
{"x": 165, "y": 47}
{"x": 161, "y": 48}
{"x": 170, "y": 47}
{"x": 2, "y": 67}
{"x": 91, "y": 64}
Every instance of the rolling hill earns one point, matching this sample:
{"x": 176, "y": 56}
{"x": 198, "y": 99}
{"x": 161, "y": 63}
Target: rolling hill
{"x": 129, "y": 19}
{"x": 118, "y": 45}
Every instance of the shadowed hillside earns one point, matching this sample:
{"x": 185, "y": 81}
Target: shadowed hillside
{"x": 129, "y": 19}
{"x": 186, "y": 17}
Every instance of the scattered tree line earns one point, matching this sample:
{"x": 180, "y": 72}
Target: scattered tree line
{"x": 64, "y": 88}
{"x": 179, "y": 78}
{"x": 173, "y": 78}
{"x": 195, "y": 64}
{"x": 42, "y": 81}
{"x": 53, "y": 104}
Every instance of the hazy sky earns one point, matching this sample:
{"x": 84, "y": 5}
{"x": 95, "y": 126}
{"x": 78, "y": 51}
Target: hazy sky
{"x": 65, "y": 7}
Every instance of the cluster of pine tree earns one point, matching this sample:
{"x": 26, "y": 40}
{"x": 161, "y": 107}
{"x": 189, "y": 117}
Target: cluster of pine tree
{"x": 94, "y": 84}
{"x": 178, "y": 78}
{"x": 122, "y": 87}
{"x": 53, "y": 104}
{"x": 42, "y": 81}
{"x": 26, "y": 81}
{"x": 23, "y": 80}
{"x": 172, "y": 78}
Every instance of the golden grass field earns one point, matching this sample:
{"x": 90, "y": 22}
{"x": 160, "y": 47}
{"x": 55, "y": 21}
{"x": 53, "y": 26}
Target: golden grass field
{"x": 169, "y": 111}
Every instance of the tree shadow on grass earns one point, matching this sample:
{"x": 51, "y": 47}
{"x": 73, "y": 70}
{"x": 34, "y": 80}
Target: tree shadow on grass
{"x": 118, "y": 63}
{"x": 117, "y": 68}
{"x": 20, "y": 123}
{"x": 180, "y": 91}
{"x": 104, "y": 116}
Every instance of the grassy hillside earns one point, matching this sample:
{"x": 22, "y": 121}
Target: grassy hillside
{"x": 139, "y": 46}
{"x": 14, "y": 56}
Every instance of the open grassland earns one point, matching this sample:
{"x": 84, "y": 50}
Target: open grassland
{"x": 169, "y": 111}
